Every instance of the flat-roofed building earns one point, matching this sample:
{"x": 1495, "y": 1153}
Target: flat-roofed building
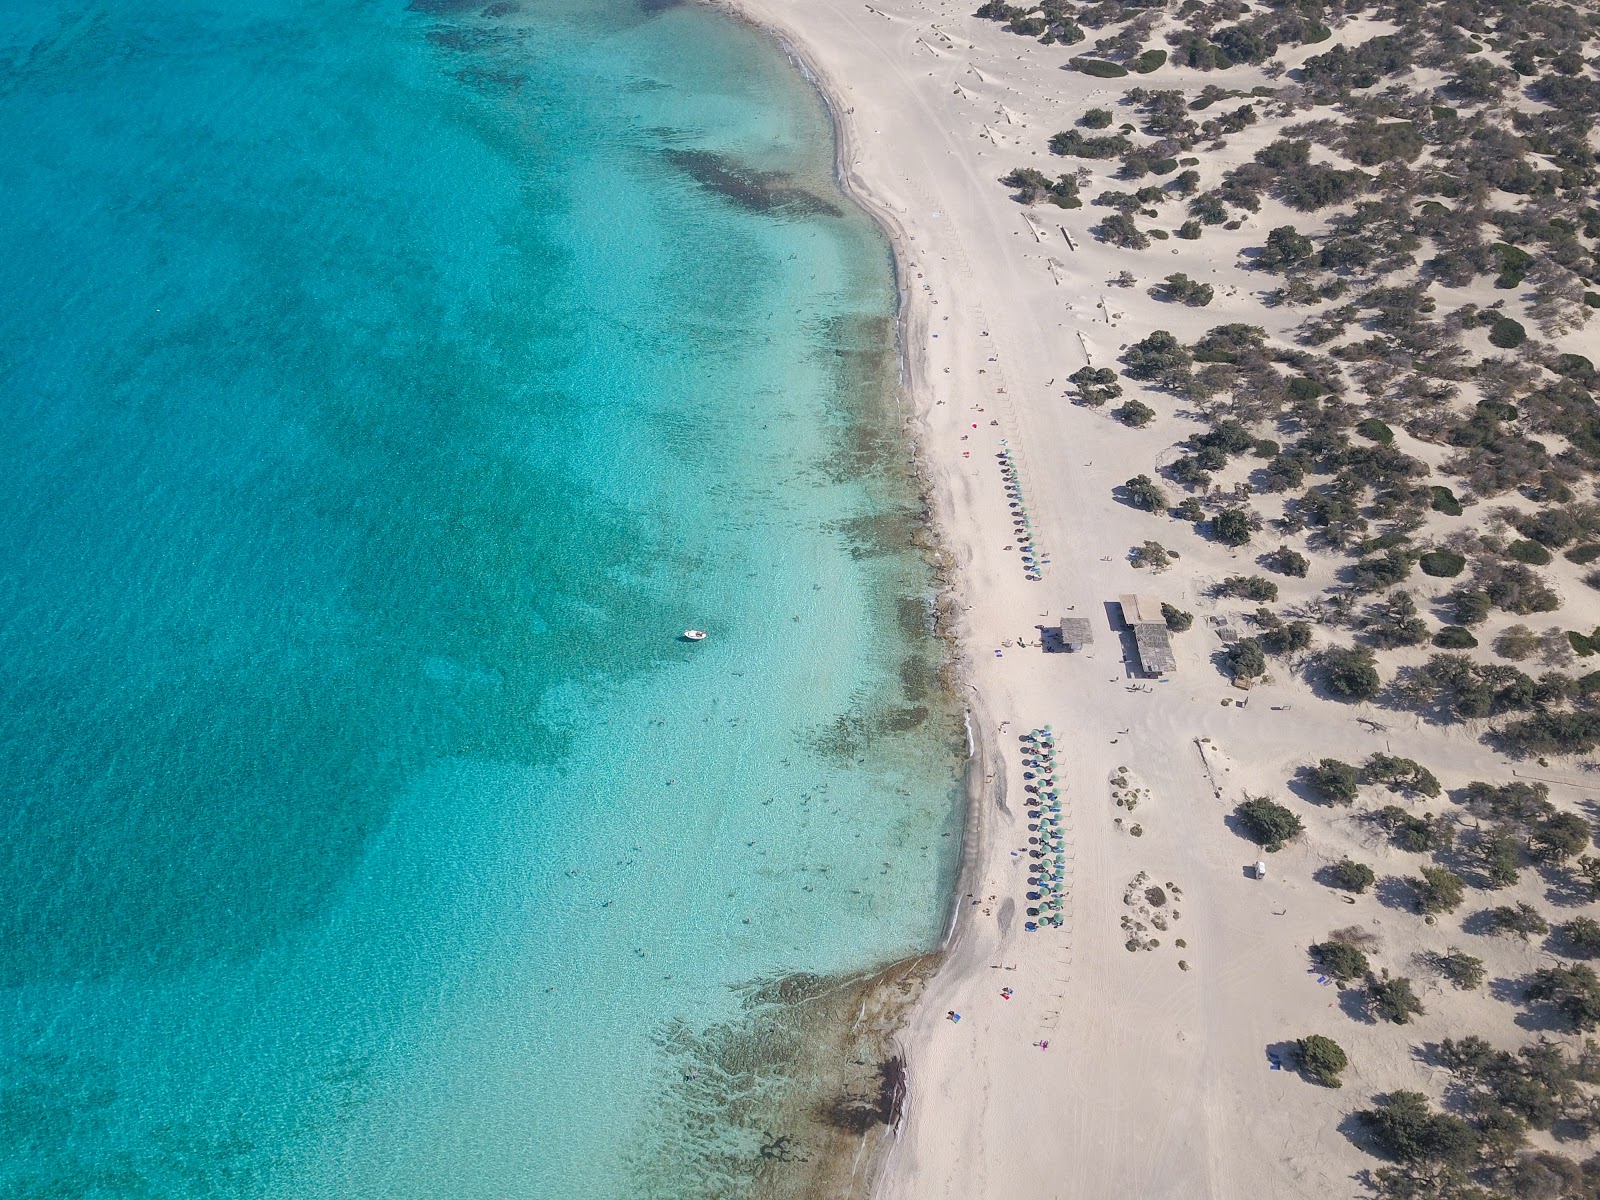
{"x": 1076, "y": 632}
{"x": 1151, "y": 638}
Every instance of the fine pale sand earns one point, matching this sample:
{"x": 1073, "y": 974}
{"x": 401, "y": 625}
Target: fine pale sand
{"x": 1156, "y": 1081}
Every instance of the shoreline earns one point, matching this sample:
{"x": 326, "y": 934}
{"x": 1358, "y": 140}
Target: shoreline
{"x": 984, "y": 777}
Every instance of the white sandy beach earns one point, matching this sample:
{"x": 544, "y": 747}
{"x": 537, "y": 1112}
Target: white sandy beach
{"x": 1156, "y": 1080}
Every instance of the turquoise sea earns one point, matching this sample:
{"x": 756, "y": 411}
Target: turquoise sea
{"x": 384, "y": 389}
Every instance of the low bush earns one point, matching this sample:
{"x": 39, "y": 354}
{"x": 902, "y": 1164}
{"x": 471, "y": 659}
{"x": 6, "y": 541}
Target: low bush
{"x": 1333, "y": 782}
{"x": 1521, "y": 919}
{"x": 1247, "y": 587}
{"x": 1096, "y": 118}
{"x": 1400, "y": 774}
{"x": 1231, "y": 527}
{"x": 1462, "y": 970}
{"x": 1349, "y": 673}
{"x": 1442, "y": 564}
{"x": 1322, "y": 1059}
{"x": 1581, "y": 936}
{"x": 1454, "y": 637}
{"x": 1142, "y": 492}
{"x": 1134, "y": 414}
{"x": 1375, "y": 430}
{"x": 1287, "y": 562}
{"x": 1393, "y": 999}
{"x": 1268, "y": 822}
{"x": 1339, "y": 960}
{"x": 1177, "y": 620}
{"x": 1524, "y": 550}
{"x": 1438, "y": 890}
{"x": 1408, "y": 1130}
{"x": 1099, "y": 68}
{"x": 1574, "y": 990}
{"x": 1184, "y": 290}
{"x": 1507, "y": 334}
{"x": 1442, "y": 499}
{"x": 1351, "y": 876}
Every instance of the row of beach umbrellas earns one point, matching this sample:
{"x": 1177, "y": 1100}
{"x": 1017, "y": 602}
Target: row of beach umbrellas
{"x": 1048, "y": 866}
{"x": 1033, "y": 560}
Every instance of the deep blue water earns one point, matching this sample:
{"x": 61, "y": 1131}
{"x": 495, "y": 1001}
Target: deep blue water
{"x": 383, "y": 389}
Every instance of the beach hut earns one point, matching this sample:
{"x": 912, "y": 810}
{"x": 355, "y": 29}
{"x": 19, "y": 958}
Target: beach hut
{"x": 1076, "y": 632}
{"x": 1151, "y": 638}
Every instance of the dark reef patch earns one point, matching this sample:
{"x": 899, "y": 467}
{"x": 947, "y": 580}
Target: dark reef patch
{"x": 757, "y": 191}
{"x": 485, "y": 78}
{"x": 443, "y": 8}
{"x": 786, "y": 1100}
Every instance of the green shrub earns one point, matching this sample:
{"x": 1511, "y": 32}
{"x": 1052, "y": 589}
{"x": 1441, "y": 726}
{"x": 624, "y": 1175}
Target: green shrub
{"x": 1143, "y": 492}
{"x": 1444, "y": 500}
{"x": 1075, "y": 145}
{"x": 1515, "y": 263}
{"x": 1118, "y": 229}
{"x": 1558, "y": 837}
{"x": 1414, "y": 835}
{"x": 1350, "y": 674}
{"x": 1245, "y": 659}
{"x": 1134, "y": 414}
{"x": 1462, "y": 970}
{"x": 1095, "y": 385}
{"x": 1507, "y": 334}
{"x": 1393, "y": 999}
{"x": 1268, "y": 822}
{"x": 1096, "y": 118}
{"x": 1190, "y": 292}
{"x": 1247, "y": 587}
{"x": 1177, "y": 620}
{"x": 1098, "y": 67}
{"x": 1582, "y": 937}
{"x": 1351, "y": 875}
{"x": 1375, "y": 430}
{"x": 1574, "y": 990}
{"x": 1408, "y": 1130}
{"x": 1583, "y": 554}
{"x": 1231, "y": 527}
{"x": 1438, "y": 890}
{"x": 1442, "y": 564}
{"x": 1149, "y": 61}
{"x": 1189, "y": 231}
{"x": 1287, "y": 562}
{"x": 1454, "y": 637}
{"x": 1525, "y": 550}
{"x": 1339, "y": 960}
{"x": 1322, "y": 1059}
{"x": 1156, "y": 357}
{"x": 1333, "y": 781}
{"x": 1522, "y": 919}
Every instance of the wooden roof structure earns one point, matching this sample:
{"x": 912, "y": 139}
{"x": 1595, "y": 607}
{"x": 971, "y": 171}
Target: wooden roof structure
{"x": 1076, "y": 631}
{"x": 1154, "y": 643}
{"x": 1151, "y": 638}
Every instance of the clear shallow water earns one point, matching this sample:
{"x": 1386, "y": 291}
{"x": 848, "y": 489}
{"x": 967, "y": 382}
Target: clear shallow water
{"x": 382, "y": 391}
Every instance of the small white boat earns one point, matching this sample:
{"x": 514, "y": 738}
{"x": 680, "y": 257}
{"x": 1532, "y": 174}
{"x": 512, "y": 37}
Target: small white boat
{"x": 694, "y": 635}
